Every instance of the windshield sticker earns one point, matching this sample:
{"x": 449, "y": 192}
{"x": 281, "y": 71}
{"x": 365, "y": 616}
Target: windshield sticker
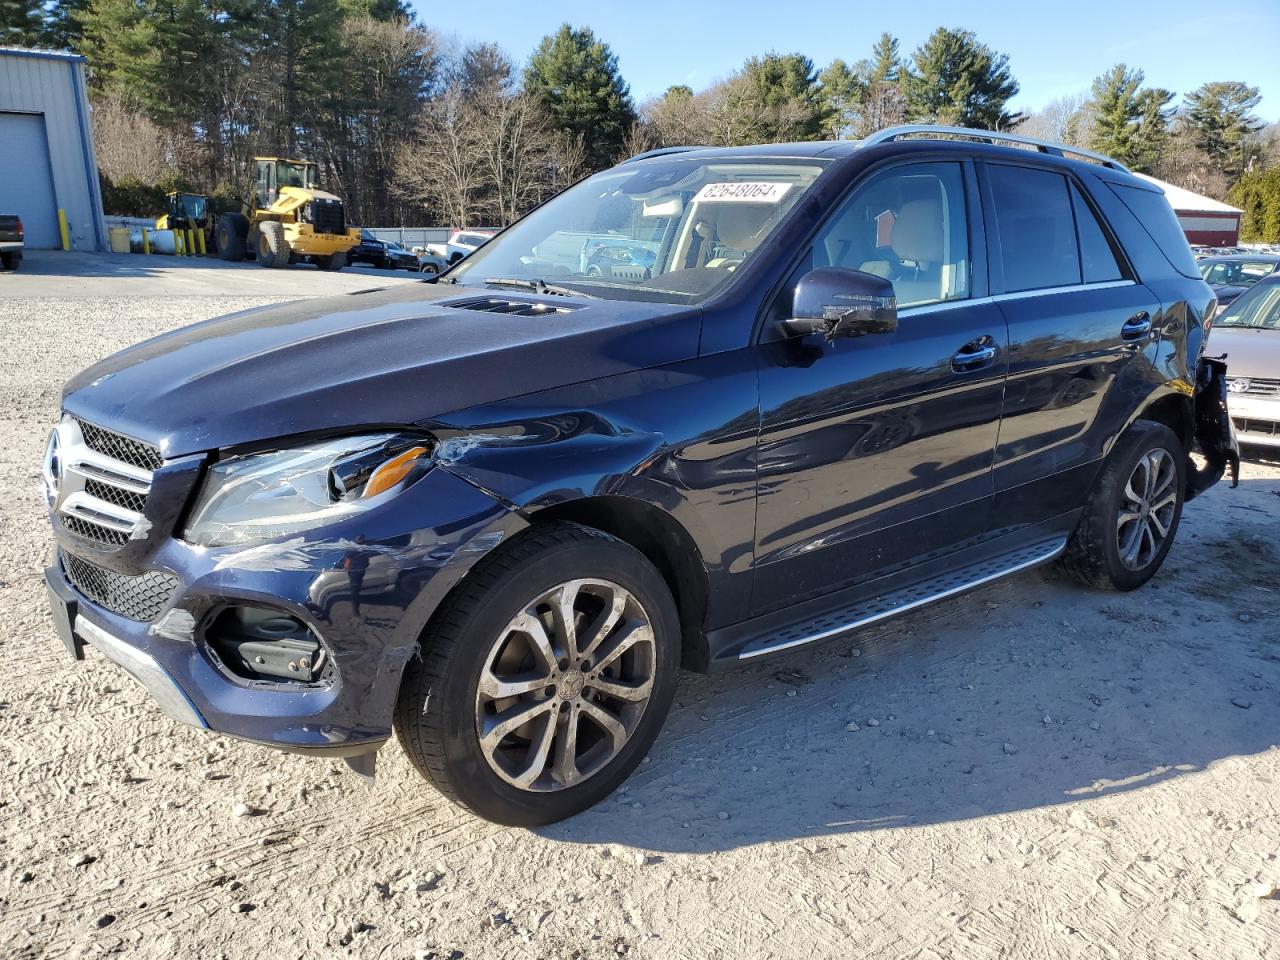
{"x": 742, "y": 191}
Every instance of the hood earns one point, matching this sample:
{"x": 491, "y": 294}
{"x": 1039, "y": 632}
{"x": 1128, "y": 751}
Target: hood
{"x": 1226, "y": 292}
{"x": 1251, "y": 352}
{"x": 383, "y": 357}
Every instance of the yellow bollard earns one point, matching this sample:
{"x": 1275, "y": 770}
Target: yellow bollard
{"x": 191, "y": 243}
{"x": 200, "y": 243}
{"x": 146, "y": 241}
{"x": 177, "y": 244}
{"x": 62, "y": 227}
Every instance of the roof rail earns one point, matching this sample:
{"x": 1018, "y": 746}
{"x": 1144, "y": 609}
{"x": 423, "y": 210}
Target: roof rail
{"x": 889, "y": 134}
{"x": 662, "y": 152}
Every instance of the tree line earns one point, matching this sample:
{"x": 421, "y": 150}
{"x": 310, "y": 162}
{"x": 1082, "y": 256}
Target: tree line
{"x": 409, "y": 128}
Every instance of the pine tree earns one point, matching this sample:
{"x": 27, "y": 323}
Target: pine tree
{"x": 575, "y": 78}
{"x": 1219, "y": 118}
{"x": 784, "y": 89}
{"x": 842, "y": 92}
{"x": 483, "y": 66}
{"x": 22, "y": 23}
{"x": 1129, "y": 123}
{"x": 885, "y": 65}
{"x": 956, "y": 80}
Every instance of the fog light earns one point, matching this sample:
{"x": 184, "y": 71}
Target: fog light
{"x": 259, "y": 643}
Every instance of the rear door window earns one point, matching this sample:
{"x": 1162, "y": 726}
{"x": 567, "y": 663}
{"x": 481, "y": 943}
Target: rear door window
{"x": 1038, "y": 245}
{"x": 1096, "y": 256}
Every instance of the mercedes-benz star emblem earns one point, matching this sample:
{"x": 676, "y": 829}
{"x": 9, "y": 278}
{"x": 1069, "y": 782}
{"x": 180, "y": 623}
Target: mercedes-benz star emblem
{"x": 52, "y": 467}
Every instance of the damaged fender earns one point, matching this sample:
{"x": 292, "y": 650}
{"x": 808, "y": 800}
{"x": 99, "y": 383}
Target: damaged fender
{"x": 1215, "y": 434}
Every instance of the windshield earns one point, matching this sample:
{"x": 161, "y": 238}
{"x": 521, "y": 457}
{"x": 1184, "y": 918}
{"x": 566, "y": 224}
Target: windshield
{"x": 194, "y": 206}
{"x": 1236, "y": 273}
{"x": 296, "y": 175}
{"x": 671, "y": 230}
{"x": 1259, "y": 308}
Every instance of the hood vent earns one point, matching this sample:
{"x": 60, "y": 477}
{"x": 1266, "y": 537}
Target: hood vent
{"x": 521, "y": 308}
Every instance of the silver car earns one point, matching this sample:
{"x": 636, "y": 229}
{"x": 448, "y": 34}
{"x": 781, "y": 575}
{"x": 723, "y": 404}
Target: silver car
{"x": 1248, "y": 332}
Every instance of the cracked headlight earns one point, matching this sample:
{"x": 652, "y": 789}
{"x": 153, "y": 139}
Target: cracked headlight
{"x": 262, "y": 496}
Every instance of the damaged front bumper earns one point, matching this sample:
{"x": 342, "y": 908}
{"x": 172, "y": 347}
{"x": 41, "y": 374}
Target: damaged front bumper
{"x": 1215, "y": 433}
{"x": 365, "y": 589}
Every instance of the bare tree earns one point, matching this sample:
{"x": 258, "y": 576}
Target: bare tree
{"x": 1066, "y": 119}
{"x": 884, "y": 106}
{"x": 128, "y": 144}
{"x": 443, "y": 168}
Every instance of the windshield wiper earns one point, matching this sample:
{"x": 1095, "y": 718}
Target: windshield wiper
{"x": 539, "y": 286}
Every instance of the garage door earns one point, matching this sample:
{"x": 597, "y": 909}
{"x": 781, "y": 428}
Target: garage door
{"x": 26, "y": 182}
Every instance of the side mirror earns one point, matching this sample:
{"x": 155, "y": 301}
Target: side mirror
{"x": 839, "y": 302}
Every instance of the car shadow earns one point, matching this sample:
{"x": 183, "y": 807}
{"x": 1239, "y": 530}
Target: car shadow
{"x": 1033, "y": 692}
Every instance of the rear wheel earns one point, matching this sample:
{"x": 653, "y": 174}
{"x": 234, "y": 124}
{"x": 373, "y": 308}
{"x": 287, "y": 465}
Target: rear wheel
{"x": 1132, "y": 515}
{"x": 11, "y": 260}
{"x": 430, "y": 269}
{"x": 229, "y": 236}
{"x": 545, "y": 679}
{"x": 335, "y": 261}
{"x": 273, "y": 248}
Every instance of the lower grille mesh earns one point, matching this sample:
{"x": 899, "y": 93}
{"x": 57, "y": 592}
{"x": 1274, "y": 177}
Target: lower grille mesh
{"x": 138, "y": 598}
{"x": 95, "y": 531}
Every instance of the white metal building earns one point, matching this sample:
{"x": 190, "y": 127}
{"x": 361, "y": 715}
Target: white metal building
{"x": 47, "y": 162}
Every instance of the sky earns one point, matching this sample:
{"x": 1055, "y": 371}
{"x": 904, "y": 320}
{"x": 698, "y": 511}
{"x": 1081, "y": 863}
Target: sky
{"x": 1054, "y": 49}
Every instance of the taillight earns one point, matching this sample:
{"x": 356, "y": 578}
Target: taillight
{"x": 19, "y": 228}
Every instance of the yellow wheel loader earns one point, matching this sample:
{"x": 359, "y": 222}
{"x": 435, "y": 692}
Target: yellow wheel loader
{"x": 288, "y": 220}
{"x": 188, "y": 211}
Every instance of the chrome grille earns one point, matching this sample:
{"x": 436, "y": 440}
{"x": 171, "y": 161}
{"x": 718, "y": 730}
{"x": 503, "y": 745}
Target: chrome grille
{"x": 117, "y": 495}
{"x": 119, "y": 447}
{"x": 1260, "y": 387}
{"x": 137, "y": 598}
{"x": 95, "y": 531}
{"x": 98, "y": 481}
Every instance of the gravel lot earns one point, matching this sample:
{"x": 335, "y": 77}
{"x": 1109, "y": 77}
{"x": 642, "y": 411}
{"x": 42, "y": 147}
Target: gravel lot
{"x": 1032, "y": 771}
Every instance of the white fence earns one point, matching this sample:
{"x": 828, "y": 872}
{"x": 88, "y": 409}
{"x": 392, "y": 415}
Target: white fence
{"x": 405, "y": 236}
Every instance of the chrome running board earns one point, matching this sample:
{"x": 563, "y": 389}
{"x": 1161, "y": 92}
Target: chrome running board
{"x": 892, "y": 604}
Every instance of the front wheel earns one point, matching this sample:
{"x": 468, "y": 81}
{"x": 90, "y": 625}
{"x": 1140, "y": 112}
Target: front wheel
{"x": 335, "y": 261}
{"x": 273, "y": 245}
{"x": 545, "y": 679}
{"x": 1132, "y": 515}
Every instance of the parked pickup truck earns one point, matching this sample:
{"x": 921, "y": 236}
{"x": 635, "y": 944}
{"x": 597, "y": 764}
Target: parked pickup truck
{"x": 10, "y": 241}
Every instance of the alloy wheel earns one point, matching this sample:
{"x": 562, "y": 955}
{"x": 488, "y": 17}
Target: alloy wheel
{"x": 565, "y": 684}
{"x": 1147, "y": 508}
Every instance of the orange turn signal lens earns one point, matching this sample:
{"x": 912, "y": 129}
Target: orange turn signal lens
{"x": 392, "y": 472}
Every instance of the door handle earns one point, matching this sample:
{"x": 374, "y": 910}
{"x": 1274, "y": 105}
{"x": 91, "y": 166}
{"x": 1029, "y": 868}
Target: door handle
{"x": 975, "y": 354}
{"x": 1137, "y": 326}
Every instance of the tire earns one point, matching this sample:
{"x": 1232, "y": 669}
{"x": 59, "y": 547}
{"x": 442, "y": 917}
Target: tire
{"x": 273, "y": 248}
{"x": 229, "y": 236}
{"x": 443, "y": 704}
{"x": 595, "y": 271}
{"x": 1118, "y": 544}
{"x": 11, "y": 260}
{"x": 430, "y": 269}
{"x": 335, "y": 261}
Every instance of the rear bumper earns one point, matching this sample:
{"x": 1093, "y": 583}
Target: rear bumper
{"x": 7, "y": 246}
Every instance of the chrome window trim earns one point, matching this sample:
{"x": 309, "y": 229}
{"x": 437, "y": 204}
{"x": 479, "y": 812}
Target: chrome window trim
{"x": 1066, "y": 288}
{"x": 926, "y": 308}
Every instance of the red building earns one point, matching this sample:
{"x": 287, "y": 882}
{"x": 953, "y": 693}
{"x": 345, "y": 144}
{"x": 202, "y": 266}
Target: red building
{"x": 1205, "y": 221}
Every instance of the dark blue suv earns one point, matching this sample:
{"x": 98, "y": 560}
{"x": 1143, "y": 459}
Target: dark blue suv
{"x": 497, "y": 512}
